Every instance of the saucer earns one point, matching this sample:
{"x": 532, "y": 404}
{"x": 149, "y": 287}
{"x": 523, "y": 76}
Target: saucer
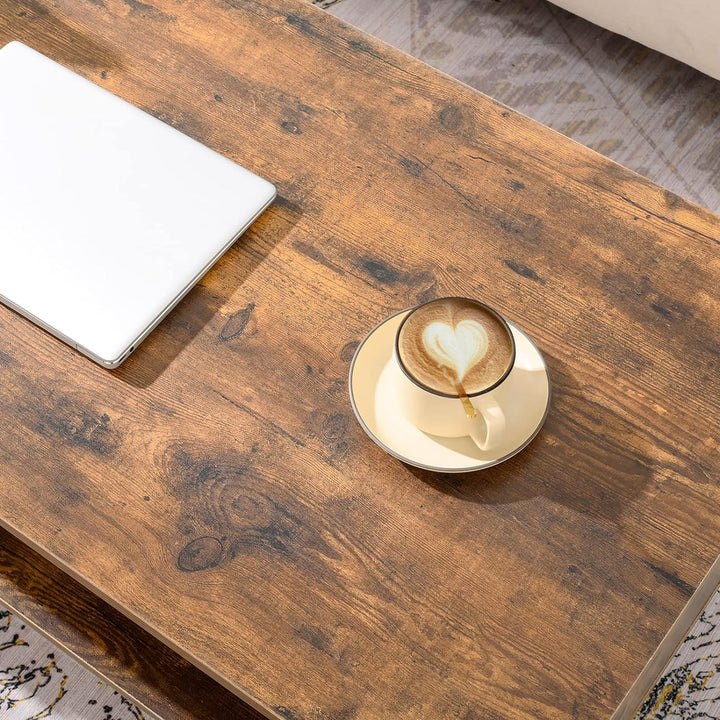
{"x": 524, "y": 397}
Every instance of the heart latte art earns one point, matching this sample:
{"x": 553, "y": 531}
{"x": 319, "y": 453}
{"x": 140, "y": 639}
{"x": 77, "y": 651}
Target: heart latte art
{"x": 459, "y": 348}
{"x": 453, "y": 340}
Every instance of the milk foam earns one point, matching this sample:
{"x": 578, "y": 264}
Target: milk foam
{"x": 459, "y": 349}
{"x": 453, "y": 342}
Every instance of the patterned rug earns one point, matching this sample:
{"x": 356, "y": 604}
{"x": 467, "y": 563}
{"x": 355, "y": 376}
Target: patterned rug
{"x": 689, "y": 686}
{"x": 38, "y": 680}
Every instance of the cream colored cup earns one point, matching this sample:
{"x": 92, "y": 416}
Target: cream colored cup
{"x": 449, "y": 415}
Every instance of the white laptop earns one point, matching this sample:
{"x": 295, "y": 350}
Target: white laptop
{"x": 108, "y": 216}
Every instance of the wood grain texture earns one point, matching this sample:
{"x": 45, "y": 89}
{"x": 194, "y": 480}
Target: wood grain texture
{"x": 217, "y": 488}
{"x": 106, "y": 641}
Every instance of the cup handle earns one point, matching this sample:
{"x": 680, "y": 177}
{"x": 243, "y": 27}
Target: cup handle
{"x": 489, "y": 425}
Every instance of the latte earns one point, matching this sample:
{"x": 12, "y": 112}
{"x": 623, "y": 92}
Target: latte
{"x": 453, "y": 345}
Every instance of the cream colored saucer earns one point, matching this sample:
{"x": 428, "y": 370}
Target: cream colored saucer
{"x": 524, "y": 397}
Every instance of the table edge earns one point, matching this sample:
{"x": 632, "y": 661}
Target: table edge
{"x": 630, "y": 704}
{"x": 151, "y": 714}
{"x": 244, "y": 695}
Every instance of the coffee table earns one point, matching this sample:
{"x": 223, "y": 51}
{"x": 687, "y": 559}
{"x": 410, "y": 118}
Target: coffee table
{"x": 216, "y": 488}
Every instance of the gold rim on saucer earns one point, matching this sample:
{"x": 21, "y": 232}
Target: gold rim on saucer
{"x": 524, "y": 396}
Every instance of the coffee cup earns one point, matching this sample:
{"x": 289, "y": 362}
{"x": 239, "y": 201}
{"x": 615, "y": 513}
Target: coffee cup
{"x": 450, "y": 355}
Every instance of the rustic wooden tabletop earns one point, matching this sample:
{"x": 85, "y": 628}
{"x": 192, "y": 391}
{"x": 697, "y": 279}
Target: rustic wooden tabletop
{"x": 217, "y": 489}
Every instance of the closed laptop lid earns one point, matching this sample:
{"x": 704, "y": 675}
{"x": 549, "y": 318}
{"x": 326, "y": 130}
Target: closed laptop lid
{"x": 107, "y": 215}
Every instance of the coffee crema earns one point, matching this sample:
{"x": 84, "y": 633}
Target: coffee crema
{"x": 455, "y": 343}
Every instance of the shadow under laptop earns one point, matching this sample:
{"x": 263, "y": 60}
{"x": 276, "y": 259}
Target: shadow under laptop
{"x": 158, "y": 351}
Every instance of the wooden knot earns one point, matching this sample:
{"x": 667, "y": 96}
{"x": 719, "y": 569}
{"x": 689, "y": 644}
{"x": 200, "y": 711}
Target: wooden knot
{"x": 200, "y": 554}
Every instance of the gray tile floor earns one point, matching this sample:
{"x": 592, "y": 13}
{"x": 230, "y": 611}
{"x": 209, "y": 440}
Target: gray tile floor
{"x": 648, "y": 112}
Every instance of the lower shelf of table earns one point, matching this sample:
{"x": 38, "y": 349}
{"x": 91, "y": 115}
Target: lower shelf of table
{"x": 107, "y": 642}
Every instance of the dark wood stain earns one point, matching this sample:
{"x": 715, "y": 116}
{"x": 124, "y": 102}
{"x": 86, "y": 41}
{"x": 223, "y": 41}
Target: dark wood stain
{"x": 6, "y": 360}
{"x": 334, "y": 428}
{"x": 315, "y": 254}
{"x": 412, "y": 167}
{"x": 288, "y": 713}
{"x": 200, "y": 554}
{"x": 348, "y": 350}
{"x": 68, "y": 419}
{"x": 451, "y": 117}
{"x": 381, "y": 271}
{"x": 681, "y": 584}
{"x": 353, "y": 586}
{"x": 361, "y": 46}
{"x": 523, "y": 270}
{"x": 671, "y": 309}
{"x": 149, "y": 12}
{"x": 74, "y": 495}
{"x": 237, "y": 324}
{"x": 110, "y": 643}
{"x": 303, "y": 24}
{"x": 425, "y": 296}
{"x": 316, "y": 636}
{"x": 35, "y": 6}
